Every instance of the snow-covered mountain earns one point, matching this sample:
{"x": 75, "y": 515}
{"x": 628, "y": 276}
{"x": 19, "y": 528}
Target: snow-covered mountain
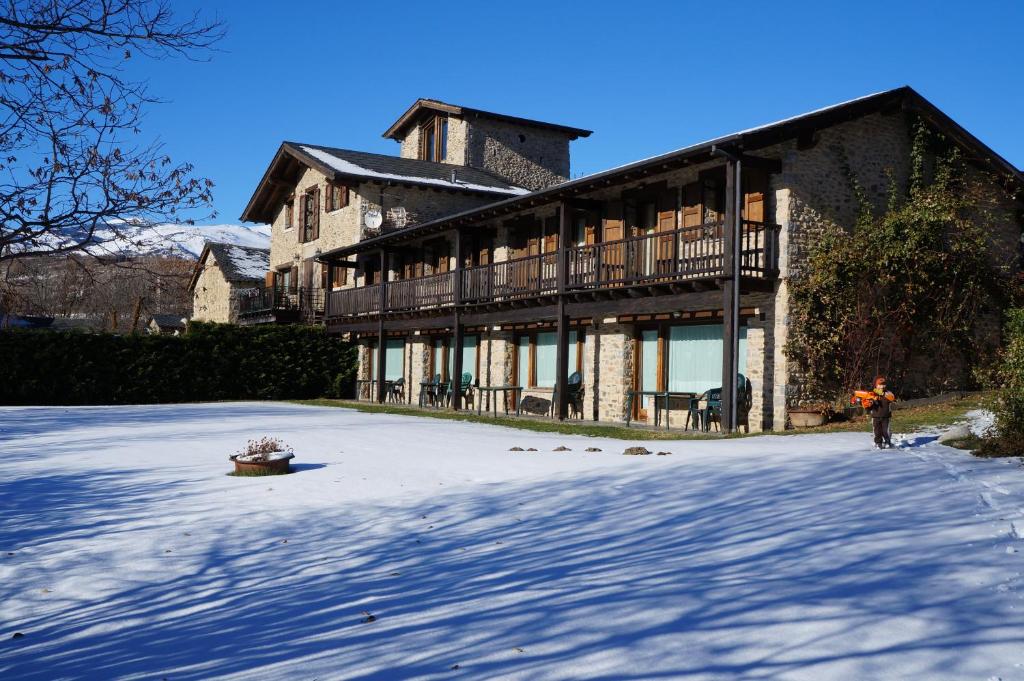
{"x": 175, "y": 240}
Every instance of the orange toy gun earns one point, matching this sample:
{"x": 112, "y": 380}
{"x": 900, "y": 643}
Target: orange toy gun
{"x": 867, "y": 398}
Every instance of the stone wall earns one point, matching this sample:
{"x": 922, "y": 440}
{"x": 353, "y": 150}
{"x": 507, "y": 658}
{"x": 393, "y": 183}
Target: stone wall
{"x": 526, "y": 156}
{"x": 214, "y": 299}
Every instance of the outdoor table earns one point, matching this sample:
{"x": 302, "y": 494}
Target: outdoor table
{"x": 494, "y": 390}
{"x": 665, "y": 394}
{"x": 369, "y": 382}
{"x": 428, "y": 389}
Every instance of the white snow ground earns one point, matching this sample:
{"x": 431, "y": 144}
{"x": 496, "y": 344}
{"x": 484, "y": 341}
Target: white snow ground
{"x": 126, "y": 552}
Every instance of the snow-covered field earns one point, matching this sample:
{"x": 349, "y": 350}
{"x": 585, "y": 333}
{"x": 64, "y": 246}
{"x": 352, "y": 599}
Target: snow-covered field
{"x": 126, "y": 552}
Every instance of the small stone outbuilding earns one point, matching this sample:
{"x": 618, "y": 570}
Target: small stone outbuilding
{"x": 222, "y": 273}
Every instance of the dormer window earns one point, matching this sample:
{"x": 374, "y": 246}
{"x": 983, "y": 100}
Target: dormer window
{"x": 434, "y": 139}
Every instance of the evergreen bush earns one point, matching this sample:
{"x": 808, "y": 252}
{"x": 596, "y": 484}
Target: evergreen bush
{"x": 209, "y": 362}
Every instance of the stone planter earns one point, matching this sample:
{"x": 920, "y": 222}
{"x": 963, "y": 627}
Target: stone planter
{"x": 806, "y": 418}
{"x": 275, "y": 463}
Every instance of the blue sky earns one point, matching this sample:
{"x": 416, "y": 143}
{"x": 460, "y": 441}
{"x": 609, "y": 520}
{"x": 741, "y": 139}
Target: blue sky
{"x": 647, "y": 77}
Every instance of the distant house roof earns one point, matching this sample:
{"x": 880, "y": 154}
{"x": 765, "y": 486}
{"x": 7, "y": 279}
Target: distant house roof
{"x": 347, "y": 165}
{"x": 239, "y": 264}
{"x": 169, "y": 322}
{"x": 413, "y": 113}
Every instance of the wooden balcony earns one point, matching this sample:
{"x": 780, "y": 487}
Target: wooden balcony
{"x": 276, "y": 305}
{"x": 642, "y": 264}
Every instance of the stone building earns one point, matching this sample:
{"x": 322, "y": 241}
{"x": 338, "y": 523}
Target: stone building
{"x": 223, "y": 274}
{"x": 653, "y": 281}
{"x": 319, "y": 198}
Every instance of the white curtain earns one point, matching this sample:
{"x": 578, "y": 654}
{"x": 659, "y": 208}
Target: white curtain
{"x": 523, "y": 361}
{"x": 545, "y": 359}
{"x": 573, "y": 351}
{"x": 468, "y": 356}
{"x": 439, "y": 360}
{"x": 695, "y": 357}
{"x": 649, "y": 359}
{"x": 394, "y": 359}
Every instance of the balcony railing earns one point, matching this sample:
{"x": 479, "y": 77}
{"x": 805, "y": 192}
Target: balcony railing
{"x": 436, "y": 290}
{"x": 680, "y": 255}
{"x": 526, "y": 277}
{"x": 676, "y": 255}
{"x": 307, "y": 304}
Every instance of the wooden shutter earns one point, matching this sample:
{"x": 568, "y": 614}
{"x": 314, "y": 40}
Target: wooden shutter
{"x": 343, "y": 198}
{"x": 691, "y": 213}
{"x": 300, "y": 226}
{"x": 666, "y": 225}
{"x": 613, "y": 227}
{"x": 316, "y": 213}
{"x": 483, "y": 252}
{"x": 755, "y": 188}
{"x": 294, "y": 280}
{"x": 590, "y": 229}
{"x": 269, "y": 282}
{"x": 551, "y": 234}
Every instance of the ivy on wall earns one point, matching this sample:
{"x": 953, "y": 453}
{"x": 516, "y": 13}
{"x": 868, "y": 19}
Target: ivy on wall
{"x": 899, "y": 293}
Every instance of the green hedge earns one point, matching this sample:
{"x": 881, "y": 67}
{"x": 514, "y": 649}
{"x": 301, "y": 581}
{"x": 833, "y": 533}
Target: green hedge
{"x": 1008, "y": 439}
{"x": 209, "y": 362}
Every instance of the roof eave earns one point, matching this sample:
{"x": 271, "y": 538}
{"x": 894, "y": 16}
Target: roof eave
{"x": 752, "y": 139}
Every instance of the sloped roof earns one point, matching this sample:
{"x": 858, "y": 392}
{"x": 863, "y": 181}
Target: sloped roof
{"x": 347, "y": 165}
{"x": 241, "y": 264}
{"x": 751, "y": 139}
{"x": 169, "y": 321}
{"x": 413, "y": 113}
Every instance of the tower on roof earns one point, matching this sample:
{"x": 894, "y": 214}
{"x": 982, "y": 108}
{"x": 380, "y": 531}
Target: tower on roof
{"x": 527, "y": 153}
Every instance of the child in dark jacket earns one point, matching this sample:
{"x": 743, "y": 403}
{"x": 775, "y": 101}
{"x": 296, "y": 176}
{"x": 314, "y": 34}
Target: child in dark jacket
{"x": 880, "y": 412}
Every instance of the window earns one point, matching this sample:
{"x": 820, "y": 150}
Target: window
{"x": 289, "y": 209}
{"x": 394, "y": 359}
{"x": 469, "y": 357}
{"x": 537, "y": 358}
{"x": 337, "y": 197}
{"x": 340, "y": 277}
{"x": 434, "y": 139}
{"x": 310, "y": 218}
{"x": 685, "y": 358}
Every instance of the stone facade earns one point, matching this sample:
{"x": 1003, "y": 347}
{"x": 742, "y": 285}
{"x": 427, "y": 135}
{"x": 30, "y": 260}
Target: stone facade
{"x": 214, "y": 298}
{"x": 527, "y": 156}
{"x": 344, "y": 226}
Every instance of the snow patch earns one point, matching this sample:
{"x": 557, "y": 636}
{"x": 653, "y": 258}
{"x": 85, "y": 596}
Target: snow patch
{"x": 345, "y": 166}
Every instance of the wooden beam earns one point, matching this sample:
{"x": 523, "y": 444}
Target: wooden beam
{"x": 381, "y": 349}
{"x": 457, "y": 336}
{"x": 562, "y": 335}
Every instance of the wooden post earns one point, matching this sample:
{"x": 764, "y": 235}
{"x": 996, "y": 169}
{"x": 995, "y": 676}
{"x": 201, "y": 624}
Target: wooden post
{"x": 457, "y": 331}
{"x": 562, "y": 339}
{"x": 381, "y": 342}
{"x": 328, "y": 289}
{"x": 730, "y": 293}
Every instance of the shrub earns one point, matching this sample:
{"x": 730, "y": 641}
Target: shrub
{"x": 209, "y": 362}
{"x": 901, "y": 293}
{"x": 1008, "y": 406}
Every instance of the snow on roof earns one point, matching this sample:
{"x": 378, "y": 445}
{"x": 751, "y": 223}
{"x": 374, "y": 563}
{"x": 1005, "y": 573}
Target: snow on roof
{"x": 241, "y": 263}
{"x": 349, "y": 168}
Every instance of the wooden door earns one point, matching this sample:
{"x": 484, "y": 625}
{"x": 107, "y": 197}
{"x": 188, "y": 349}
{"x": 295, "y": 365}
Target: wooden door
{"x": 666, "y": 227}
{"x": 613, "y": 228}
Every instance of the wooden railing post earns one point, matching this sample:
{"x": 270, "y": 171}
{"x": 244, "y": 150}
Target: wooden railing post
{"x": 456, "y": 377}
{"x": 562, "y": 349}
{"x": 381, "y": 342}
{"x": 731, "y": 290}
